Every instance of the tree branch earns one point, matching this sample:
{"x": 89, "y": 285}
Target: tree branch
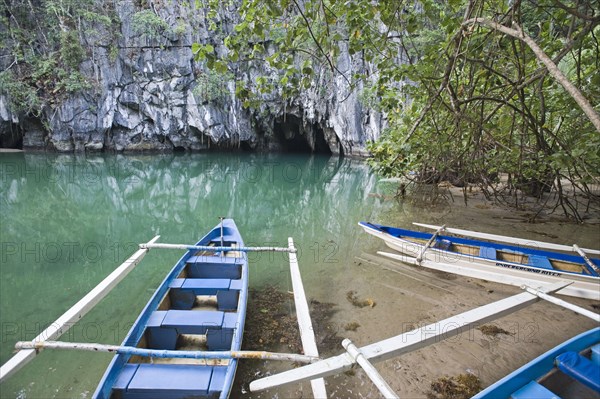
{"x": 553, "y": 70}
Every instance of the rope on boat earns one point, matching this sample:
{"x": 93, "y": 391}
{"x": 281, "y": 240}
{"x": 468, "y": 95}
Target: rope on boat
{"x": 429, "y": 243}
{"x": 217, "y": 249}
{"x": 163, "y": 353}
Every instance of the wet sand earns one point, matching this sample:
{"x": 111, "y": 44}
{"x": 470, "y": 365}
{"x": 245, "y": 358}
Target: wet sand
{"x": 408, "y": 297}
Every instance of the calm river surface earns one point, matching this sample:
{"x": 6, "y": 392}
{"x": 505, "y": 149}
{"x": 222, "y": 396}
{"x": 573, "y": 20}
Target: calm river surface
{"x": 67, "y": 221}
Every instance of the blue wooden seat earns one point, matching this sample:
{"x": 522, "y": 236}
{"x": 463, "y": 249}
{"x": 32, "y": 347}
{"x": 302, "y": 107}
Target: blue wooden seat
{"x": 168, "y": 381}
{"x": 228, "y": 241}
{"x": 125, "y": 376}
{"x": 164, "y": 327}
{"x": 443, "y": 244}
{"x": 533, "y": 390}
{"x": 540, "y": 261}
{"x": 214, "y": 267}
{"x": 192, "y": 322}
{"x": 487, "y": 252}
{"x": 183, "y": 292}
{"x": 579, "y": 368}
{"x": 204, "y": 286}
{"x": 221, "y": 339}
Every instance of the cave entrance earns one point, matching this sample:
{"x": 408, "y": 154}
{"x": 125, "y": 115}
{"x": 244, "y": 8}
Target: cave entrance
{"x": 293, "y": 136}
{"x": 13, "y": 138}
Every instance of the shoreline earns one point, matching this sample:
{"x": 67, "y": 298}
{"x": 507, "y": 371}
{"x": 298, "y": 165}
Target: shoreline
{"x": 408, "y": 297}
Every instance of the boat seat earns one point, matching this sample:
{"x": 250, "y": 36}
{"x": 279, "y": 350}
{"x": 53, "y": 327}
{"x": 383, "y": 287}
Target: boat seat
{"x": 579, "y": 368}
{"x": 442, "y": 244}
{"x": 533, "y": 390}
{"x": 228, "y": 241}
{"x": 596, "y": 354}
{"x": 221, "y": 339}
{"x": 164, "y": 327}
{"x": 125, "y": 376}
{"x": 214, "y": 267}
{"x": 168, "y": 381}
{"x": 183, "y": 292}
{"x": 487, "y": 252}
{"x": 540, "y": 261}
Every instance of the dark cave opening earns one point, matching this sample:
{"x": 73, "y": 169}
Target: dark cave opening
{"x": 292, "y": 136}
{"x": 11, "y": 138}
{"x": 245, "y": 146}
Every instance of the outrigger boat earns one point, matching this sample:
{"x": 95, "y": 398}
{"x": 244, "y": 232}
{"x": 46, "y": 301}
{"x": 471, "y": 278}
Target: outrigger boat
{"x": 199, "y": 306}
{"x": 521, "y": 263}
{"x": 570, "y": 370}
{"x": 186, "y": 342}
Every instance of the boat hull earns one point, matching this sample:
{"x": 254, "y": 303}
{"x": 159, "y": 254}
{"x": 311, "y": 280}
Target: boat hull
{"x": 200, "y": 305}
{"x": 540, "y": 370}
{"x": 471, "y": 265}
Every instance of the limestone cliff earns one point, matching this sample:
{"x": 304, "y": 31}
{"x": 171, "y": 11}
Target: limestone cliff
{"x": 148, "y": 93}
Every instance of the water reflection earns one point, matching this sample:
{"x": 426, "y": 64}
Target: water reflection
{"x": 68, "y": 220}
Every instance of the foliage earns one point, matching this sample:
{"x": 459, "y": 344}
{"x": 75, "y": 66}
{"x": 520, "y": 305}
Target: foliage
{"x": 71, "y": 51}
{"x": 22, "y": 97}
{"x": 211, "y": 87}
{"x": 463, "y": 101}
{"x": 43, "y": 41}
{"x": 148, "y": 23}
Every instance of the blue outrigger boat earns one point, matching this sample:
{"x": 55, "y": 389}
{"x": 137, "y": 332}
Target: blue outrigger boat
{"x": 199, "y": 306}
{"x": 522, "y": 263}
{"x": 570, "y": 370}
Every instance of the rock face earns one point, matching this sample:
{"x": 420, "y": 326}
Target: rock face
{"x": 149, "y": 94}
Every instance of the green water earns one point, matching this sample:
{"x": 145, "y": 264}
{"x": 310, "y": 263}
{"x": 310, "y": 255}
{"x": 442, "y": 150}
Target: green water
{"x": 67, "y": 221}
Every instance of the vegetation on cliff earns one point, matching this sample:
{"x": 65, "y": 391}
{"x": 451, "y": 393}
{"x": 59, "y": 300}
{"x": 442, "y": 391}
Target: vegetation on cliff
{"x": 44, "y": 43}
{"x": 503, "y": 95}
{"x": 499, "y": 94}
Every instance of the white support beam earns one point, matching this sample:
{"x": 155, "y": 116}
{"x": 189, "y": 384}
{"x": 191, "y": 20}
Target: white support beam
{"x": 407, "y": 342}
{"x": 370, "y": 370}
{"x": 307, "y": 335}
{"x": 586, "y": 259}
{"x": 75, "y": 313}
{"x": 564, "y": 304}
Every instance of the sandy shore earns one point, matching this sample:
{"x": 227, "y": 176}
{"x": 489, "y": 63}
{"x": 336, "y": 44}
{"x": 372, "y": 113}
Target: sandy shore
{"x": 408, "y": 297}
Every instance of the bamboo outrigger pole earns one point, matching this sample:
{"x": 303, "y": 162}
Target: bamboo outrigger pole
{"x": 163, "y": 353}
{"x": 216, "y": 249}
{"x": 586, "y": 259}
{"x": 429, "y": 243}
{"x": 76, "y": 312}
